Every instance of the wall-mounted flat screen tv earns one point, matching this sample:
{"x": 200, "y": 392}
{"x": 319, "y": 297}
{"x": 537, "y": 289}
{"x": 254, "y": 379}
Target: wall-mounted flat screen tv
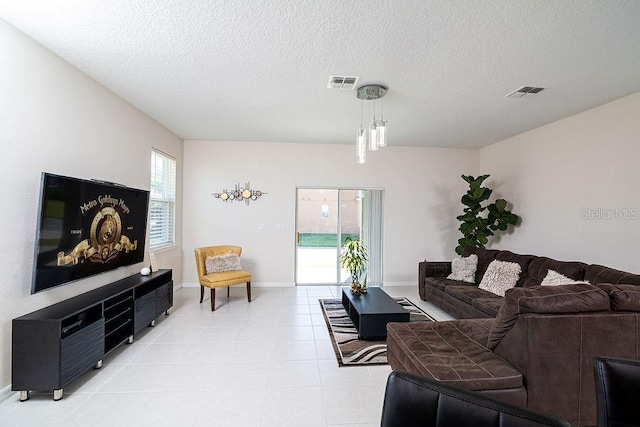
{"x": 86, "y": 228}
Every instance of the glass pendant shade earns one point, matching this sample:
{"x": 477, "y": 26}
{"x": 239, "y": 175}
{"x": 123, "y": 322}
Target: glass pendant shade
{"x": 361, "y": 145}
{"x": 382, "y": 133}
{"x": 373, "y": 136}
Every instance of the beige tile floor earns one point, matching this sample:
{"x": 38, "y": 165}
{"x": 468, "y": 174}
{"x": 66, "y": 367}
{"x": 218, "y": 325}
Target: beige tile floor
{"x": 264, "y": 363}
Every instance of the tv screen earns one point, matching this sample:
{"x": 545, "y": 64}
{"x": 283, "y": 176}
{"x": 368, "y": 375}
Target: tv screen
{"x": 86, "y": 228}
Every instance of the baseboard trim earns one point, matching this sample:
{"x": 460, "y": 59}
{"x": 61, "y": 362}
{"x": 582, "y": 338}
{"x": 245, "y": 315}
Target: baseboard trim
{"x": 291, "y": 284}
{"x": 273, "y": 284}
{"x": 253, "y": 285}
{"x": 390, "y": 284}
{"x": 6, "y": 393}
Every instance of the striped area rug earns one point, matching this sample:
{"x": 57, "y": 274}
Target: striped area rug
{"x": 351, "y": 351}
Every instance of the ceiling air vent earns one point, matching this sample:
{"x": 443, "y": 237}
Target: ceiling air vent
{"x": 340, "y": 82}
{"x": 525, "y": 92}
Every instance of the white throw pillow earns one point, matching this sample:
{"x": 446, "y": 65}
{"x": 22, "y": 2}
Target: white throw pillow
{"x": 464, "y": 268}
{"x": 219, "y": 263}
{"x": 553, "y": 278}
{"x": 500, "y": 276}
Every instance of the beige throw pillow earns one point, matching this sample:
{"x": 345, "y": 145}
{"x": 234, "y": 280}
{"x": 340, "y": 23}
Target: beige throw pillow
{"x": 219, "y": 263}
{"x": 464, "y": 268}
{"x": 500, "y": 276}
{"x": 553, "y": 278}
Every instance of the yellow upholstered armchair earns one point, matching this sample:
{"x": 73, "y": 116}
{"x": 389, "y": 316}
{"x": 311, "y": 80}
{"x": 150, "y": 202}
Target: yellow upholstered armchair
{"x": 217, "y": 279}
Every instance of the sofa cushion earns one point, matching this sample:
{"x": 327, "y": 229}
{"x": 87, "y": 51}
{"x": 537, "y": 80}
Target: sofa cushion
{"x": 462, "y": 310}
{"x": 452, "y": 352}
{"x": 575, "y": 298}
{"x": 468, "y": 293}
{"x": 523, "y": 260}
{"x": 500, "y": 276}
{"x": 441, "y": 283}
{"x": 540, "y": 266}
{"x": 601, "y": 274}
{"x": 623, "y": 297}
{"x": 464, "y": 268}
{"x": 485, "y": 256}
{"x": 488, "y": 305}
{"x": 572, "y": 298}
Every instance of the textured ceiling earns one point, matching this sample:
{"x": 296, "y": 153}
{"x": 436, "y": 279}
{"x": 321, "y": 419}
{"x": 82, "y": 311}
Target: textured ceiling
{"x": 257, "y": 70}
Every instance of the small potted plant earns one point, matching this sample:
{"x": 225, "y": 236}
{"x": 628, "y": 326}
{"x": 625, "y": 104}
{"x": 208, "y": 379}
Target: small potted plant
{"x": 354, "y": 259}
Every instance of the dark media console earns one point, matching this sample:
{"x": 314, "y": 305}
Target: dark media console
{"x": 55, "y": 345}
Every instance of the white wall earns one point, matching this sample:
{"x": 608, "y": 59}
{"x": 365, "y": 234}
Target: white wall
{"x": 422, "y": 192}
{"x": 558, "y": 175}
{"x": 54, "y": 118}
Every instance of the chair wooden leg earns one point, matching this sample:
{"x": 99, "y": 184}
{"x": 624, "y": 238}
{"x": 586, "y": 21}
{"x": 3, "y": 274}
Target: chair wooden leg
{"x": 249, "y": 291}
{"x": 213, "y": 299}
{"x": 201, "y": 293}
{"x": 228, "y": 287}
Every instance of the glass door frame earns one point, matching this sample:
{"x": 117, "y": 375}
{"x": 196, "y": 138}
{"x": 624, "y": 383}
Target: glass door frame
{"x": 338, "y": 228}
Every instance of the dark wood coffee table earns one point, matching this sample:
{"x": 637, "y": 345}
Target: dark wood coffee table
{"x": 371, "y": 311}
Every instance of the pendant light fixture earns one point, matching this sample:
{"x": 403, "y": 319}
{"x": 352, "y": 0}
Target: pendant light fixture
{"x": 373, "y": 131}
{"x": 381, "y": 127}
{"x": 361, "y": 141}
{"x": 375, "y": 135}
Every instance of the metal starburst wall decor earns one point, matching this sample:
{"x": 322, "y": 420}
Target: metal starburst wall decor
{"x": 239, "y": 194}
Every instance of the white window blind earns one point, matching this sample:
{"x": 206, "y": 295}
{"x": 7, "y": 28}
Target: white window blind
{"x": 162, "y": 200}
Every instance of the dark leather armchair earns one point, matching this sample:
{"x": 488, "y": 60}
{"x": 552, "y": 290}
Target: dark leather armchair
{"x": 414, "y": 401}
{"x": 617, "y": 392}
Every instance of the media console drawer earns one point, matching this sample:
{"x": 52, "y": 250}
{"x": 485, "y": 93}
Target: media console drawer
{"x": 145, "y": 311}
{"x": 81, "y": 351}
{"x": 57, "y": 344}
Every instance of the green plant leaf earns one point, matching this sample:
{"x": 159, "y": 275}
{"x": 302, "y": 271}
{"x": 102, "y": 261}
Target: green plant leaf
{"x": 466, "y": 228}
{"x": 467, "y": 217}
{"x": 479, "y": 180}
{"x": 467, "y": 200}
{"x": 510, "y": 218}
{"x": 500, "y": 205}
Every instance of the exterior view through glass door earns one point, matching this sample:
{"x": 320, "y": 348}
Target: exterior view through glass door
{"x": 324, "y": 219}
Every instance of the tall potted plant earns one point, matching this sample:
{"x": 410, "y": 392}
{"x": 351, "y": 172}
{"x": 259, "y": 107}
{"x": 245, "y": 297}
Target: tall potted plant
{"x": 476, "y": 227}
{"x": 354, "y": 258}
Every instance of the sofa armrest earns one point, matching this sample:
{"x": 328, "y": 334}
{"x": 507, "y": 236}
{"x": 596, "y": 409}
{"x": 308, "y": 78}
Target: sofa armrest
{"x": 433, "y": 269}
{"x": 411, "y": 400}
{"x": 555, "y": 352}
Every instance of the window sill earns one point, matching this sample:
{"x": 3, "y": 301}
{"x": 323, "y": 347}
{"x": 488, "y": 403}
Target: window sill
{"x": 163, "y": 248}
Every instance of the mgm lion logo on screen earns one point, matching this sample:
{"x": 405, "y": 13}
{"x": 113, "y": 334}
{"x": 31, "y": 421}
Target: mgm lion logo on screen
{"x": 105, "y": 241}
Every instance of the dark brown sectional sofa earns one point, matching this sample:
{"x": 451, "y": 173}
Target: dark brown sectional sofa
{"x": 535, "y": 346}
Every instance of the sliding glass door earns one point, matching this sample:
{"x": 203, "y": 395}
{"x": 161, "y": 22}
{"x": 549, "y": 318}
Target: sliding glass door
{"x": 324, "y": 219}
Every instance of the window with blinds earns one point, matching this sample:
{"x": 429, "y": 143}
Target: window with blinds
{"x": 162, "y": 203}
